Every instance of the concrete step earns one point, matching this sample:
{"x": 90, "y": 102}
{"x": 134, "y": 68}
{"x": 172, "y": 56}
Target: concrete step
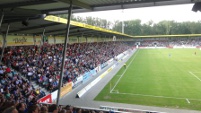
{"x": 35, "y": 85}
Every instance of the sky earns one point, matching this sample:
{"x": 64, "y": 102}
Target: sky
{"x": 179, "y": 13}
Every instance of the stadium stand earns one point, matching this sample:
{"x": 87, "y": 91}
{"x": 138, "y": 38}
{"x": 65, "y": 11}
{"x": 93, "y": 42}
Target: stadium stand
{"x": 24, "y": 60}
{"x": 41, "y": 64}
{"x": 15, "y": 89}
{"x": 190, "y": 42}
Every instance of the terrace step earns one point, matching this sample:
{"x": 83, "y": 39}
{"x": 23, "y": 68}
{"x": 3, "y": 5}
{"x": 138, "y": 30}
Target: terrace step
{"x": 33, "y": 83}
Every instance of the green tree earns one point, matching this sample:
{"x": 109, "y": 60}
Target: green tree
{"x": 135, "y": 27}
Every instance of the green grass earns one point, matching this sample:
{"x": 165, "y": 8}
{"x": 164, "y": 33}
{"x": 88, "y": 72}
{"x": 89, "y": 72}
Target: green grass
{"x": 154, "y": 78}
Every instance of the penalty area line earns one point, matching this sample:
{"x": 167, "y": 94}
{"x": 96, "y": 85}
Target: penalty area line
{"x": 135, "y": 54}
{"x": 194, "y": 75}
{"x": 188, "y": 101}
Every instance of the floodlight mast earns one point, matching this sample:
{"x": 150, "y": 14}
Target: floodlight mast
{"x": 64, "y": 51}
{"x": 43, "y": 39}
{"x": 122, "y": 21}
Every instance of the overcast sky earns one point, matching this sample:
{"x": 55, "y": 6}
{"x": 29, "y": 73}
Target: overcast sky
{"x": 178, "y": 13}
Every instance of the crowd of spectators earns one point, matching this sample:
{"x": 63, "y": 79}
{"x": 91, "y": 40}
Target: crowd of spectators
{"x": 167, "y": 43}
{"x": 15, "y": 89}
{"x": 44, "y": 108}
{"x": 189, "y": 43}
{"x": 43, "y": 63}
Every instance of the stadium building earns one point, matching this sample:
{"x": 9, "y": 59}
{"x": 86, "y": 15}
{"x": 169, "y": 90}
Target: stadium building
{"x": 52, "y": 64}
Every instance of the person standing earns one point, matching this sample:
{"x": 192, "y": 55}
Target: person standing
{"x": 125, "y": 65}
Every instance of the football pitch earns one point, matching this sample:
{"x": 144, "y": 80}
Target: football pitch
{"x": 158, "y": 77}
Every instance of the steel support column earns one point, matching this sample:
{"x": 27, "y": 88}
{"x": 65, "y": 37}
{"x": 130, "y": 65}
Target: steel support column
{"x": 43, "y": 40}
{"x": 34, "y": 40}
{"x": 64, "y": 52}
{"x": 4, "y": 42}
{"x": 54, "y": 40}
{"x": 2, "y": 16}
{"x": 78, "y": 39}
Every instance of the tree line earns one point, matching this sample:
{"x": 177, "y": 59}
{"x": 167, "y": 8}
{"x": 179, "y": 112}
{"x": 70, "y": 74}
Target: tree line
{"x": 136, "y": 27}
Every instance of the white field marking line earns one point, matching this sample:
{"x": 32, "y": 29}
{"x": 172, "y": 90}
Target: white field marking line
{"x": 194, "y": 75}
{"x": 115, "y": 91}
{"x": 156, "y": 96}
{"x": 196, "y": 72}
{"x": 188, "y": 101}
{"x": 123, "y": 73}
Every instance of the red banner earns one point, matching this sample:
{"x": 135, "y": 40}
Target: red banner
{"x": 46, "y": 99}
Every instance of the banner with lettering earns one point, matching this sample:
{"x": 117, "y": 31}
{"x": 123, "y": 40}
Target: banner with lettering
{"x": 19, "y": 40}
{"x": 59, "y": 40}
{"x": 46, "y": 99}
{"x": 86, "y": 76}
{"x": 66, "y": 89}
{"x": 50, "y": 40}
{"x": 73, "y": 40}
{"x": 38, "y": 40}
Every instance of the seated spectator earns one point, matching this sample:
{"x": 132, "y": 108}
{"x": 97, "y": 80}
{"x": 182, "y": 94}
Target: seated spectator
{"x": 34, "y": 109}
{"x": 44, "y": 109}
{"x": 8, "y": 70}
{"x": 53, "y": 109}
{"x": 63, "y": 111}
{"x": 11, "y": 109}
{"x": 21, "y": 107}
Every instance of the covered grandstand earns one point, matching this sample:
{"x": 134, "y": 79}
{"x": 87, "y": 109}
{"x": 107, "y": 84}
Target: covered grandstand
{"x": 30, "y": 18}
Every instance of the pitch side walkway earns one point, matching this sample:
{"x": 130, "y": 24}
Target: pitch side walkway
{"x": 87, "y": 99}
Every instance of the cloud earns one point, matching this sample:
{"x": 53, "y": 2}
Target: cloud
{"x": 177, "y": 13}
